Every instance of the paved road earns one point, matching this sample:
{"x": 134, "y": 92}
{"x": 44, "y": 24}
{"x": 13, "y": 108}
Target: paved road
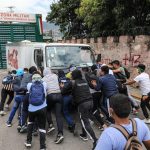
{"x": 10, "y": 139}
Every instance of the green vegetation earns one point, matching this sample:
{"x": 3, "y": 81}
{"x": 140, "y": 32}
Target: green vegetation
{"x": 86, "y": 18}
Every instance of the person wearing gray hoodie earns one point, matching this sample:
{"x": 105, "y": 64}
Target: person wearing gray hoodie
{"x": 54, "y": 100}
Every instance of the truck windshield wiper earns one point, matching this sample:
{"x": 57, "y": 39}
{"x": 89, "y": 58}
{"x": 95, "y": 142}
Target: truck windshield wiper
{"x": 59, "y": 66}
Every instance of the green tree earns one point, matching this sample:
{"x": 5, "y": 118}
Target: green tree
{"x": 98, "y": 15}
{"x": 63, "y": 14}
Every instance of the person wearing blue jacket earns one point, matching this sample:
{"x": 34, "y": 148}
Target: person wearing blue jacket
{"x": 108, "y": 86}
{"x": 18, "y": 101}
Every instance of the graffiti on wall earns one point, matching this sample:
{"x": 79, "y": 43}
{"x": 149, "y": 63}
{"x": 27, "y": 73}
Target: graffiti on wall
{"x": 128, "y": 59}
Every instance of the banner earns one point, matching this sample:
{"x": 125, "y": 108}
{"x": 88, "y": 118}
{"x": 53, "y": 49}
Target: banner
{"x": 17, "y": 17}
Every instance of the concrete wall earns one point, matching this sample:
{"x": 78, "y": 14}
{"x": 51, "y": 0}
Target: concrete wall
{"x": 128, "y": 49}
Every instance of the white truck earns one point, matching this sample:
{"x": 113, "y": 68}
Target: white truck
{"x": 54, "y": 55}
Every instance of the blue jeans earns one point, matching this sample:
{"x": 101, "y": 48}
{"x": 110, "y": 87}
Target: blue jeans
{"x": 18, "y": 102}
{"x": 66, "y": 102}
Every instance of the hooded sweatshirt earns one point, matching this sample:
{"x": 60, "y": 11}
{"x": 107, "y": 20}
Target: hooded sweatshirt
{"x": 51, "y": 80}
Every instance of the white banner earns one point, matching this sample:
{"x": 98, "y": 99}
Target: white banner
{"x": 17, "y": 17}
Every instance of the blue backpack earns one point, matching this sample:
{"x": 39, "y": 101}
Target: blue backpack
{"x": 37, "y": 94}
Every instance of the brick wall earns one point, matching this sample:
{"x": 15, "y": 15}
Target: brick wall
{"x": 128, "y": 49}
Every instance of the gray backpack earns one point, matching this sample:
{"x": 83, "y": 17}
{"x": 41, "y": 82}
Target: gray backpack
{"x": 132, "y": 140}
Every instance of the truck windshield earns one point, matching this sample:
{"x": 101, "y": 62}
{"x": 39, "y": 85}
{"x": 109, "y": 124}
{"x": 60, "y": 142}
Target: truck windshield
{"x": 64, "y": 56}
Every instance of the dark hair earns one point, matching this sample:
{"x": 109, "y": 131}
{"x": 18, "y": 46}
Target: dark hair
{"x": 76, "y": 74}
{"x": 13, "y": 72}
{"x": 121, "y": 105}
{"x": 142, "y": 67}
{"x": 85, "y": 69}
{"x": 117, "y": 62}
{"x": 36, "y": 72}
{"x": 61, "y": 74}
{"x": 32, "y": 69}
{"x": 94, "y": 67}
{"x": 105, "y": 69}
{"x": 26, "y": 69}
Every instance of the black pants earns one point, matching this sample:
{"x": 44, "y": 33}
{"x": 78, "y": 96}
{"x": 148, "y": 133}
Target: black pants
{"x": 40, "y": 116}
{"x": 145, "y": 105}
{"x": 84, "y": 112}
{"x": 4, "y": 94}
{"x": 25, "y": 109}
{"x": 96, "y": 104}
{"x": 54, "y": 101}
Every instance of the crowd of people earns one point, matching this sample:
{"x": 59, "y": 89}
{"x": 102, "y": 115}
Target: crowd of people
{"x": 99, "y": 94}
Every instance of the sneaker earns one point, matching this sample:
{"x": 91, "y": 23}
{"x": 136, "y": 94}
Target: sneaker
{"x": 23, "y": 129}
{"x": 27, "y": 144}
{"x": 91, "y": 122}
{"x": 35, "y": 133}
{"x": 19, "y": 128}
{"x": 9, "y": 124}
{"x": 147, "y": 121}
{"x": 59, "y": 139}
{"x": 94, "y": 145}
{"x": 83, "y": 137}
{"x": 101, "y": 128}
{"x": 7, "y": 106}
{"x": 50, "y": 129}
{"x": 2, "y": 113}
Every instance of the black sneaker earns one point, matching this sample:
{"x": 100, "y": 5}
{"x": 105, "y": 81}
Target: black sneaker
{"x": 27, "y": 144}
{"x": 35, "y": 133}
{"x": 51, "y": 129}
{"x": 83, "y": 137}
{"x": 19, "y": 128}
{"x": 94, "y": 145}
{"x": 71, "y": 128}
{"x": 23, "y": 129}
{"x": 59, "y": 139}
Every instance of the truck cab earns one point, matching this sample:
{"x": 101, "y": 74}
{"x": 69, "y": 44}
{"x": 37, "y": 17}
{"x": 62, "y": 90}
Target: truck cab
{"x": 54, "y": 55}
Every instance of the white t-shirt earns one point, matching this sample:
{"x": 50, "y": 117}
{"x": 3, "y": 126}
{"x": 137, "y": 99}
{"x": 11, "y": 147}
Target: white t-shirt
{"x": 112, "y": 139}
{"x": 144, "y": 82}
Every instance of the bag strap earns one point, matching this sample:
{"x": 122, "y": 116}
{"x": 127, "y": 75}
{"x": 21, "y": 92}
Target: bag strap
{"x": 134, "y": 127}
{"x": 122, "y": 130}
{"x": 125, "y": 132}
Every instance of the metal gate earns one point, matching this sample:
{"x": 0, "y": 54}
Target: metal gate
{"x": 17, "y": 33}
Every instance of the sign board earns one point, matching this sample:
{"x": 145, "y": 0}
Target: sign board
{"x": 17, "y": 17}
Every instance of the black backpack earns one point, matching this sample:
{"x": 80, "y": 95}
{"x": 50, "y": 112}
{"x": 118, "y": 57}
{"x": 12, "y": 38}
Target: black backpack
{"x": 91, "y": 76}
{"x": 7, "y": 79}
{"x": 132, "y": 140}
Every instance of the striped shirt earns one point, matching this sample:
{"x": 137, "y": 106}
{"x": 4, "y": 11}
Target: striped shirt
{"x": 8, "y": 87}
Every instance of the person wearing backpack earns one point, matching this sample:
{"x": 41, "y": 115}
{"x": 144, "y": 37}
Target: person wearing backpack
{"x": 125, "y": 134}
{"x": 7, "y": 90}
{"x": 37, "y": 109}
{"x": 19, "y": 96}
{"x": 66, "y": 91}
{"x": 54, "y": 101}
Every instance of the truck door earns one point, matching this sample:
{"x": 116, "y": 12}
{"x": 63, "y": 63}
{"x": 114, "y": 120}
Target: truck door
{"x": 38, "y": 58}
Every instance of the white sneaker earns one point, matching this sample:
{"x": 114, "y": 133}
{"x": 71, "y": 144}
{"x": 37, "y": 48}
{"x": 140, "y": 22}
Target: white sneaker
{"x": 7, "y": 106}
{"x": 147, "y": 121}
{"x": 2, "y": 113}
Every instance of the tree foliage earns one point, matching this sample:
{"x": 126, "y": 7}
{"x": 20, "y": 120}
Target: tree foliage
{"x": 91, "y": 17}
